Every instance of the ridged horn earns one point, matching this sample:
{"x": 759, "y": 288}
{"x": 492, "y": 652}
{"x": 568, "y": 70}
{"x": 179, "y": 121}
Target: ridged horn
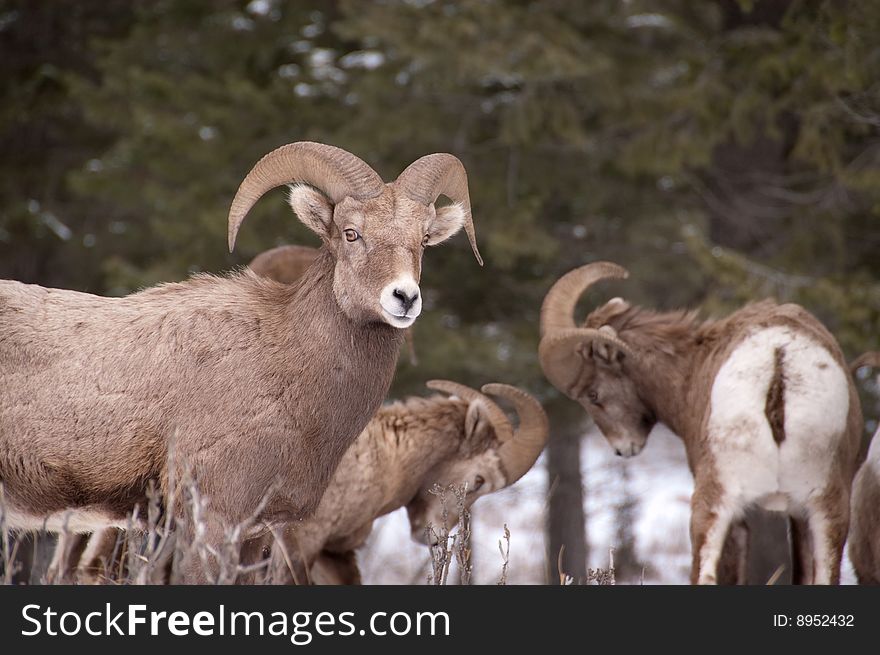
{"x": 431, "y": 176}
{"x": 562, "y": 365}
{"x": 557, "y": 310}
{"x": 519, "y": 453}
{"x": 871, "y": 359}
{"x": 336, "y": 172}
{"x": 497, "y": 417}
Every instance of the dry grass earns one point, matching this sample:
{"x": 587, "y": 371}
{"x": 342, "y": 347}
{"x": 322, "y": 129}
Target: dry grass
{"x": 167, "y": 536}
{"x": 160, "y": 541}
{"x": 449, "y": 546}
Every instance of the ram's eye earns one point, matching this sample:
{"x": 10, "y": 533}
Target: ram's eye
{"x": 266, "y": 551}
{"x": 594, "y": 397}
{"x": 351, "y": 235}
{"x": 425, "y": 240}
{"x": 479, "y": 481}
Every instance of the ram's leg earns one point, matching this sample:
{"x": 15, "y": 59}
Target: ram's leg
{"x": 733, "y": 565}
{"x": 163, "y": 566}
{"x": 801, "y": 551}
{"x": 97, "y": 559}
{"x": 203, "y": 548}
{"x": 711, "y": 518}
{"x": 828, "y": 520}
{"x": 68, "y": 548}
{"x": 336, "y": 568}
{"x": 193, "y": 568}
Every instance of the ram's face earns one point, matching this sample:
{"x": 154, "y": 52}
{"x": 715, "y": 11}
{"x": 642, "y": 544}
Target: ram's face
{"x": 437, "y": 506}
{"x": 592, "y": 363}
{"x": 378, "y": 246}
{"x": 612, "y": 400}
{"x": 454, "y": 483}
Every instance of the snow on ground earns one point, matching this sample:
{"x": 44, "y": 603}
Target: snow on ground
{"x": 657, "y": 480}
{"x": 660, "y": 483}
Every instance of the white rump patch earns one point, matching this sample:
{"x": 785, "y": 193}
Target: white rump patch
{"x": 750, "y": 465}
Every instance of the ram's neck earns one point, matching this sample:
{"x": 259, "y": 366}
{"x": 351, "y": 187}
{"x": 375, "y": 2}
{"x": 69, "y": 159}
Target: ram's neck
{"x": 668, "y": 349}
{"x": 340, "y": 374}
{"x": 409, "y": 440}
{"x": 364, "y": 353}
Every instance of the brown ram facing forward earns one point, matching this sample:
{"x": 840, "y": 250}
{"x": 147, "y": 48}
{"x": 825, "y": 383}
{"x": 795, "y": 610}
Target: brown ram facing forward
{"x": 254, "y": 385}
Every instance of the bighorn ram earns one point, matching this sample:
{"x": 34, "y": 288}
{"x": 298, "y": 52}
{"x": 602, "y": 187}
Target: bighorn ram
{"x": 407, "y": 449}
{"x": 762, "y": 400}
{"x": 864, "y": 534}
{"x": 255, "y": 385}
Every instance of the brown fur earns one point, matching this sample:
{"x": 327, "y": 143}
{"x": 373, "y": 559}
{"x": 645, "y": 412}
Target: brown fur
{"x": 733, "y": 566}
{"x": 336, "y": 569}
{"x": 68, "y": 550}
{"x": 407, "y": 448}
{"x": 677, "y": 378}
{"x": 864, "y": 535}
{"x": 221, "y": 351}
{"x": 285, "y": 264}
{"x": 248, "y": 383}
{"x": 674, "y": 361}
{"x": 394, "y": 463}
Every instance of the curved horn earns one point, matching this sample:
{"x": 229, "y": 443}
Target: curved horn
{"x": 518, "y": 455}
{"x": 562, "y": 365}
{"x": 866, "y": 359}
{"x": 284, "y": 264}
{"x": 557, "y": 311}
{"x": 497, "y": 417}
{"x": 440, "y": 174}
{"x": 334, "y": 171}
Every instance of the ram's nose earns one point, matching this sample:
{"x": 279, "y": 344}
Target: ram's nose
{"x": 406, "y": 297}
{"x": 401, "y": 302}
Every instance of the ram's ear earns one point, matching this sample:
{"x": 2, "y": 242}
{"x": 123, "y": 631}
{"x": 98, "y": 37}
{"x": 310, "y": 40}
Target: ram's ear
{"x": 607, "y": 312}
{"x": 476, "y": 421}
{"x": 447, "y": 221}
{"x": 608, "y": 353}
{"x": 312, "y": 207}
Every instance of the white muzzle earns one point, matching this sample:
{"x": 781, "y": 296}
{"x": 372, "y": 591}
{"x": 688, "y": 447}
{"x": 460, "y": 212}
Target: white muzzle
{"x": 401, "y": 302}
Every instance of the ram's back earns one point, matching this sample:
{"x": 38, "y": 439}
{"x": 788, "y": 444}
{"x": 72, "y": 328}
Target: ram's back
{"x": 93, "y": 388}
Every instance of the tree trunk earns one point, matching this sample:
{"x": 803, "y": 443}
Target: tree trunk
{"x": 566, "y": 527}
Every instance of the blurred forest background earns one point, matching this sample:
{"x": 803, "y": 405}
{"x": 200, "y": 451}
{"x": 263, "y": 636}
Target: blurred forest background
{"x": 722, "y": 150}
